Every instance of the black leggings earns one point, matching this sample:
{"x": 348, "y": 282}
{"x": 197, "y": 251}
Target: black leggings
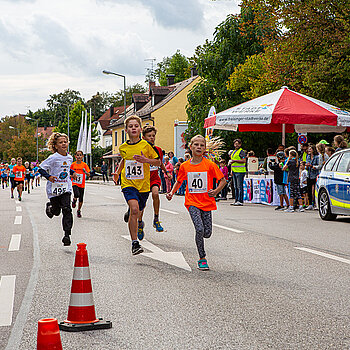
{"x": 202, "y": 222}
{"x": 59, "y": 203}
{"x": 311, "y": 193}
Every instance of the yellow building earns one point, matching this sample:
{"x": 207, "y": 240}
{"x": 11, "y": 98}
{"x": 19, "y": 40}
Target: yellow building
{"x": 162, "y": 107}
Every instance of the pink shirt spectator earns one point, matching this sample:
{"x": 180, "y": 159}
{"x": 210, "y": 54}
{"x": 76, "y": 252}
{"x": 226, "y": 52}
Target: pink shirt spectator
{"x": 224, "y": 171}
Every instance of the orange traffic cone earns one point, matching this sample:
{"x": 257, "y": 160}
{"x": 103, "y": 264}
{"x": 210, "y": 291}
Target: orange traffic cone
{"x": 81, "y": 311}
{"x": 48, "y": 335}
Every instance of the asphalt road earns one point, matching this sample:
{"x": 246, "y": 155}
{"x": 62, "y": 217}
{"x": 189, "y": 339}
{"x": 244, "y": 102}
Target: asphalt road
{"x": 261, "y": 292}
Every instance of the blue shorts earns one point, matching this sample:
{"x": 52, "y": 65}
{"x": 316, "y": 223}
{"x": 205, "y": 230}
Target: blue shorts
{"x": 281, "y": 189}
{"x": 133, "y": 193}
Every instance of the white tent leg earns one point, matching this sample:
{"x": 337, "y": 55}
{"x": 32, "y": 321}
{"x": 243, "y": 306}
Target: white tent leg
{"x": 284, "y": 134}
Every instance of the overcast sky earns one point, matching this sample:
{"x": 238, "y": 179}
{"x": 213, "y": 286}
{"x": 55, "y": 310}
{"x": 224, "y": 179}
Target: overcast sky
{"x": 47, "y": 46}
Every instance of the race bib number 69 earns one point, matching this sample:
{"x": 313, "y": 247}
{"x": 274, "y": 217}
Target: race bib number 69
{"x": 197, "y": 182}
{"x": 133, "y": 170}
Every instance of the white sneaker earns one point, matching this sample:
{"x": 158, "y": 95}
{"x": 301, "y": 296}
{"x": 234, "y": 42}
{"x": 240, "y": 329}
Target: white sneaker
{"x": 310, "y": 207}
{"x": 289, "y": 210}
{"x": 238, "y": 203}
{"x": 301, "y": 209}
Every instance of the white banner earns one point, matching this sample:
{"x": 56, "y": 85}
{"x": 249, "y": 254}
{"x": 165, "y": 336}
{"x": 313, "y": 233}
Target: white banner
{"x": 81, "y": 131}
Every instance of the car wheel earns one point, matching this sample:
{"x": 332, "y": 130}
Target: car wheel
{"x": 324, "y": 206}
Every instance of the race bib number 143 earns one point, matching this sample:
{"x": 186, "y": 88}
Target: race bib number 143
{"x": 197, "y": 182}
{"x": 133, "y": 170}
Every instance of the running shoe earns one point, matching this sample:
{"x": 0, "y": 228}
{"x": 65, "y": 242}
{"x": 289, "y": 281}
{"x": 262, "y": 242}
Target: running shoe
{"x": 126, "y": 216}
{"x": 74, "y": 203}
{"x": 140, "y": 232}
{"x": 136, "y": 248}
{"x": 158, "y": 226}
{"x": 48, "y": 210}
{"x": 66, "y": 240}
{"x": 279, "y": 208}
{"x": 19, "y": 198}
{"x": 310, "y": 207}
{"x": 203, "y": 265}
{"x": 12, "y": 196}
{"x": 289, "y": 210}
{"x": 78, "y": 213}
{"x": 301, "y": 209}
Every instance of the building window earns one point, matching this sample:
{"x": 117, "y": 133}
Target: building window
{"x": 123, "y": 136}
{"x": 116, "y": 137}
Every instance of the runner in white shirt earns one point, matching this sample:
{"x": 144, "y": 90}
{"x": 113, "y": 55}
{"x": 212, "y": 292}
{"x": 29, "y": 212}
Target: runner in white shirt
{"x": 56, "y": 169}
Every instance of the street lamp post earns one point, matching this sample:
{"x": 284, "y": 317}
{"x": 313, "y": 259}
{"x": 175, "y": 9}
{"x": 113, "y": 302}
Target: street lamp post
{"x": 37, "y": 137}
{"x": 12, "y": 127}
{"x": 68, "y": 123}
{"x": 123, "y": 76}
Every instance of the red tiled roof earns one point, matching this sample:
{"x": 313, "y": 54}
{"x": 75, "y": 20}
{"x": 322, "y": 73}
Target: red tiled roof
{"x": 45, "y": 131}
{"x": 105, "y": 119}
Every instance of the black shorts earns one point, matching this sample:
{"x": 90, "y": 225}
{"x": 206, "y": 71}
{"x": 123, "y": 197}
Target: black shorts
{"x": 19, "y": 183}
{"x": 303, "y": 190}
{"x": 78, "y": 193}
{"x": 13, "y": 182}
{"x": 295, "y": 190}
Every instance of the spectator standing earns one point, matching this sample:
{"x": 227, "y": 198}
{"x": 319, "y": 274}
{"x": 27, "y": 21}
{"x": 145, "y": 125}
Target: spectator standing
{"x": 170, "y": 169}
{"x": 276, "y": 167}
{"x": 303, "y": 152}
{"x": 330, "y": 150}
{"x": 293, "y": 180}
{"x": 224, "y": 170}
{"x": 303, "y": 184}
{"x": 312, "y": 162}
{"x": 104, "y": 169}
{"x": 173, "y": 160}
{"x": 323, "y": 156}
{"x": 339, "y": 143}
{"x": 238, "y": 168}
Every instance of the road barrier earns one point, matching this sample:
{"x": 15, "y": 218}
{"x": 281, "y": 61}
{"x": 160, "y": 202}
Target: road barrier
{"x": 81, "y": 311}
{"x": 48, "y": 335}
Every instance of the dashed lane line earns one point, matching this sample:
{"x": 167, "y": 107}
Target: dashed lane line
{"x": 18, "y": 220}
{"x": 7, "y": 295}
{"x": 325, "y": 255}
{"x": 18, "y": 208}
{"x": 169, "y": 211}
{"x": 228, "y": 228}
{"x": 14, "y": 243}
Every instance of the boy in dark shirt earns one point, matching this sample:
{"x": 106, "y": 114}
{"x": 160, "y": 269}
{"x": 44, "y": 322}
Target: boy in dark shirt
{"x": 293, "y": 179}
{"x": 278, "y": 179}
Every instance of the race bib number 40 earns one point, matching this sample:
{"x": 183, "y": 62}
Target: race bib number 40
{"x": 58, "y": 188}
{"x": 133, "y": 170}
{"x": 79, "y": 179}
{"x": 197, "y": 182}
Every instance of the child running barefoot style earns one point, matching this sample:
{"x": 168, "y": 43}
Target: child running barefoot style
{"x": 149, "y": 134}
{"x": 82, "y": 170}
{"x": 200, "y": 196}
{"x": 137, "y": 156}
{"x": 56, "y": 169}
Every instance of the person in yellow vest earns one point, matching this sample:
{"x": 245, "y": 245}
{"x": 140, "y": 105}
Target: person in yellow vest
{"x": 238, "y": 170}
{"x": 303, "y": 152}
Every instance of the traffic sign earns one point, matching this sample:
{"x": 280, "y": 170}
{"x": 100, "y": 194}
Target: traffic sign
{"x": 302, "y": 138}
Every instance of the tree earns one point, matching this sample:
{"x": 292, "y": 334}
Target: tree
{"x": 58, "y": 103}
{"x": 177, "y": 64}
{"x": 100, "y": 102}
{"x": 75, "y": 116}
{"x": 131, "y": 89}
{"x": 234, "y": 39}
{"x": 310, "y": 52}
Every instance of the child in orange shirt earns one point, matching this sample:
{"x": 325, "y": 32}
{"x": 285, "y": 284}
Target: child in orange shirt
{"x": 200, "y": 195}
{"x": 82, "y": 170}
{"x": 20, "y": 172}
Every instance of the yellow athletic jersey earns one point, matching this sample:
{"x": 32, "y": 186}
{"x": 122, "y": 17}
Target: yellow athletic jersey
{"x": 136, "y": 174}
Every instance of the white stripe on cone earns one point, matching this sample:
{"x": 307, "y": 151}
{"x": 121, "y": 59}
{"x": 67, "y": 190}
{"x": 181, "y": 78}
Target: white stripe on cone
{"x": 81, "y": 273}
{"x": 81, "y": 299}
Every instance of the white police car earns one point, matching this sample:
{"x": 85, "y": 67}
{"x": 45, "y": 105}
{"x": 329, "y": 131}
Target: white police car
{"x": 333, "y": 186}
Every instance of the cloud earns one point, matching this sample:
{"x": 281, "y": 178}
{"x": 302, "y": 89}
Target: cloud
{"x": 179, "y": 14}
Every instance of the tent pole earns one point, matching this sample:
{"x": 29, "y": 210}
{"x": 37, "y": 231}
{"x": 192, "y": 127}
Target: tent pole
{"x": 284, "y": 134}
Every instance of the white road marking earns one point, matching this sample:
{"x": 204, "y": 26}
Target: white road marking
{"x": 228, "y": 228}
{"x": 325, "y": 255}
{"x": 18, "y": 208}
{"x": 7, "y": 294}
{"x": 18, "y": 202}
{"x": 109, "y": 197}
{"x": 18, "y": 220}
{"x": 169, "y": 211}
{"x": 15, "y": 243}
{"x": 171, "y": 258}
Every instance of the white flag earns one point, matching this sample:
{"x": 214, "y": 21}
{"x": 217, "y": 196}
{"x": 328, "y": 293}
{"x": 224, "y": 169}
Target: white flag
{"x": 88, "y": 144}
{"x": 84, "y": 138}
{"x": 81, "y": 131}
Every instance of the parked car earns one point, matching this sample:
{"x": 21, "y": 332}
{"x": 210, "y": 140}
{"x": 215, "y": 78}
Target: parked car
{"x": 333, "y": 186}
